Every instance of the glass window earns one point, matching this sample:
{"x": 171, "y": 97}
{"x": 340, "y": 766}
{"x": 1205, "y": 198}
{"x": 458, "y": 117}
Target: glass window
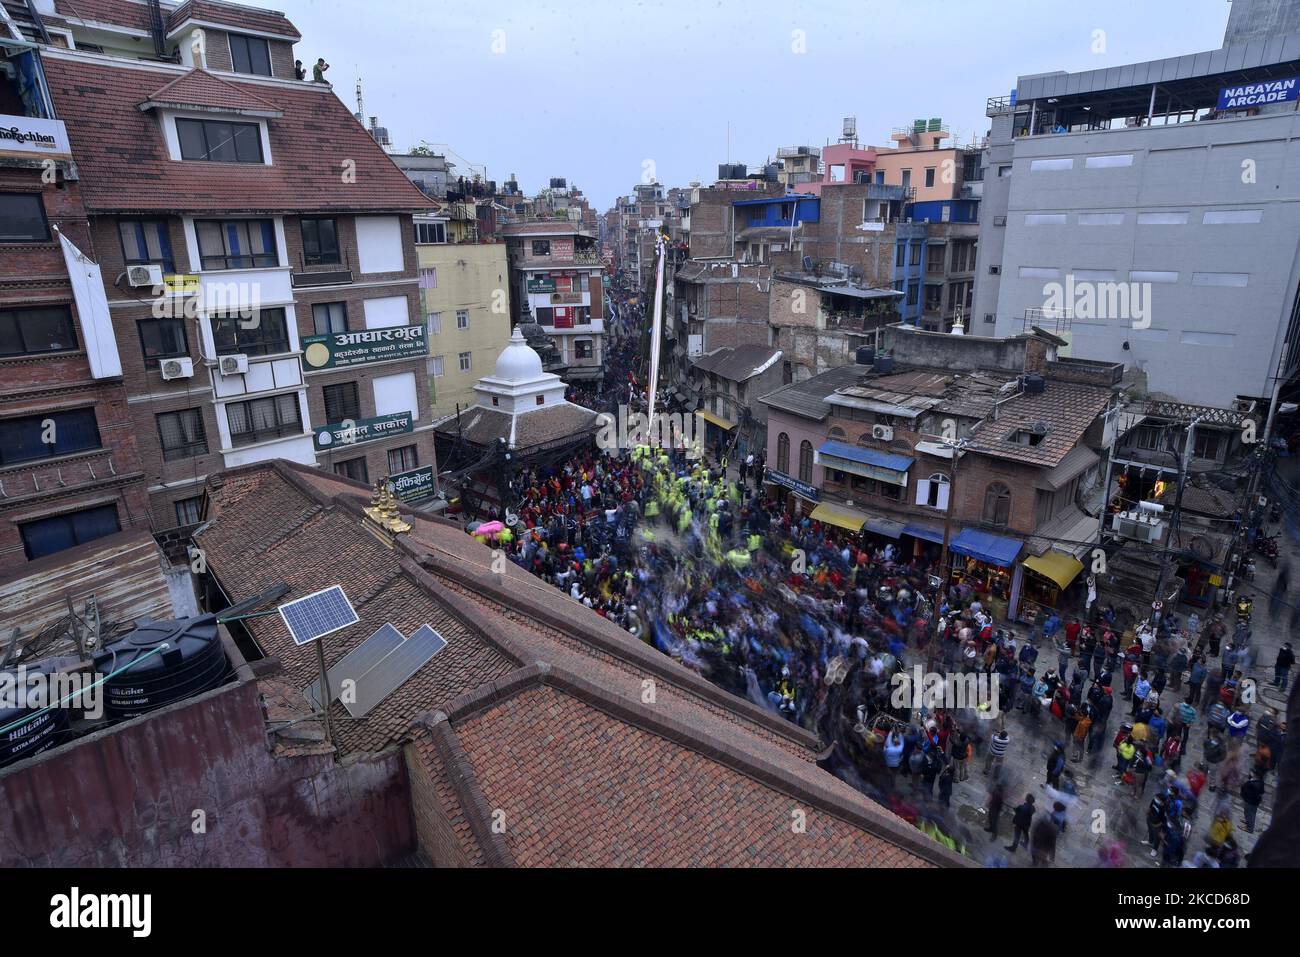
{"x": 145, "y": 242}
{"x": 189, "y": 511}
{"x": 929, "y": 176}
{"x": 162, "y": 339}
{"x": 342, "y": 402}
{"x": 330, "y": 317}
{"x": 354, "y": 469}
{"x": 436, "y": 366}
{"x": 805, "y": 461}
{"x": 997, "y": 504}
{"x": 236, "y": 244}
{"x": 320, "y": 242}
{"x": 582, "y": 349}
{"x": 541, "y": 247}
{"x": 219, "y": 141}
{"x": 783, "y": 453}
{"x": 462, "y": 318}
{"x": 428, "y": 234}
{"x": 250, "y": 54}
{"x": 265, "y": 334}
{"x": 41, "y": 329}
{"x": 900, "y": 258}
{"x": 22, "y": 218}
{"x": 403, "y": 459}
{"x": 48, "y": 536}
{"x": 466, "y": 361}
{"x": 434, "y": 320}
{"x": 31, "y": 438}
{"x": 182, "y": 435}
{"x": 260, "y": 420}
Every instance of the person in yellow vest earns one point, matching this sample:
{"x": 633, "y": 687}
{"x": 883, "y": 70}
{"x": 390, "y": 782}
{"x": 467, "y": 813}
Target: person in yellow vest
{"x": 755, "y": 542}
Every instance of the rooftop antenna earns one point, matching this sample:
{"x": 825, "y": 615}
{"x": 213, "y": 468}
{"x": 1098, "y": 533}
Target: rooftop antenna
{"x": 361, "y": 109}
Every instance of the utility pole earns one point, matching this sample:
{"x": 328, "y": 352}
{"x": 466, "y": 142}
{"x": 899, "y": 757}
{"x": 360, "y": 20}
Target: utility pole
{"x": 958, "y": 447}
{"x": 1176, "y": 515}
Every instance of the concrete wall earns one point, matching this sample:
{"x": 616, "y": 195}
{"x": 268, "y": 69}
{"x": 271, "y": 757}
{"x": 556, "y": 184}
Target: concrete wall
{"x": 126, "y": 797}
{"x": 1205, "y": 343}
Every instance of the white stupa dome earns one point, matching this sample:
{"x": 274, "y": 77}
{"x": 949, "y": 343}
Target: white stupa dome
{"x": 518, "y": 360}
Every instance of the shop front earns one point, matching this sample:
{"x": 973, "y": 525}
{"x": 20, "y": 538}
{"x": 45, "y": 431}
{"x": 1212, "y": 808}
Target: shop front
{"x": 924, "y": 542}
{"x": 796, "y": 498}
{"x": 717, "y": 430}
{"x": 987, "y": 564}
{"x": 1046, "y": 579}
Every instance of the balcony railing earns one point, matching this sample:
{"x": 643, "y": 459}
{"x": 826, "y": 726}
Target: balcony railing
{"x": 997, "y": 105}
{"x": 1049, "y": 320}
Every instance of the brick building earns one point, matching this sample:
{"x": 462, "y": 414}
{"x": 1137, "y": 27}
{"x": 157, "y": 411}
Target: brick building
{"x": 256, "y": 250}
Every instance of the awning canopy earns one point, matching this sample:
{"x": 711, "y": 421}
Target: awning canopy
{"x": 987, "y": 547}
{"x": 924, "y": 532}
{"x": 1055, "y": 566}
{"x": 840, "y": 517}
{"x": 1077, "y": 461}
{"x": 865, "y": 462}
{"x": 717, "y": 420}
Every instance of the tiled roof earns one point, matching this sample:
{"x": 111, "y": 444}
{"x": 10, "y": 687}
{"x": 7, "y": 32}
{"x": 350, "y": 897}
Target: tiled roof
{"x": 1067, "y": 409}
{"x": 529, "y": 429}
{"x": 546, "y": 749}
{"x": 123, "y": 13}
{"x": 736, "y": 764}
{"x": 737, "y": 363}
{"x": 200, "y": 88}
{"x": 233, "y": 15}
{"x": 125, "y": 165}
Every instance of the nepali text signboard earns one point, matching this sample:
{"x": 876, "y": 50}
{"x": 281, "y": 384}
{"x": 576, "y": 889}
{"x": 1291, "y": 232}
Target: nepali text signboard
{"x": 802, "y": 489}
{"x": 414, "y": 485}
{"x": 1259, "y": 94}
{"x": 30, "y": 136}
{"x": 541, "y": 284}
{"x": 342, "y": 434}
{"x": 341, "y": 350}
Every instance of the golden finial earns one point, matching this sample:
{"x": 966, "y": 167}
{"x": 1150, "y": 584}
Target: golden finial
{"x": 383, "y": 510}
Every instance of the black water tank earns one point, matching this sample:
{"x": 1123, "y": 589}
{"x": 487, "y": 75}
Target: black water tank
{"x": 884, "y": 364}
{"x": 194, "y": 662}
{"x": 1035, "y": 384}
{"x": 866, "y": 356}
{"x": 21, "y": 738}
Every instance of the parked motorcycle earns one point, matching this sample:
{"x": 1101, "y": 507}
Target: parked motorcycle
{"x": 1268, "y": 548}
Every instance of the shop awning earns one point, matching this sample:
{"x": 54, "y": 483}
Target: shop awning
{"x": 884, "y": 526}
{"x": 840, "y": 517}
{"x": 924, "y": 532}
{"x": 865, "y": 462}
{"x": 717, "y": 420}
{"x": 1055, "y": 566}
{"x": 987, "y": 547}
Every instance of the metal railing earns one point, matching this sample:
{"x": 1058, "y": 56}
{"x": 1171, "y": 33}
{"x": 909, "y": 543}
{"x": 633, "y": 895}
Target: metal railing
{"x": 1049, "y": 320}
{"x": 999, "y": 104}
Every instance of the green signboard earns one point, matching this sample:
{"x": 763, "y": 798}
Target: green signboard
{"x": 541, "y": 284}
{"x": 343, "y": 349}
{"x": 343, "y": 434}
{"x": 414, "y": 485}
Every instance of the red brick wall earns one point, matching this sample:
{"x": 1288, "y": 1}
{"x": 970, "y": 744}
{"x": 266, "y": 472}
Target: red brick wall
{"x": 433, "y": 830}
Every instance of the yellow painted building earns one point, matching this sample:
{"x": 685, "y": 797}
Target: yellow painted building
{"x": 465, "y": 291}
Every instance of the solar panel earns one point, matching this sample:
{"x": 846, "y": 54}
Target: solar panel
{"x": 389, "y": 675}
{"x": 318, "y": 615}
{"x": 356, "y": 663}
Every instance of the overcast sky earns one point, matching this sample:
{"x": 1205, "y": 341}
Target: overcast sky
{"x": 592, "y": 91}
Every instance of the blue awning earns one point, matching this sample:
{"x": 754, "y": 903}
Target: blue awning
{"x": 987, "y": 547}
{"x": 881, "y": 460}
{"x": 924, "y": 532}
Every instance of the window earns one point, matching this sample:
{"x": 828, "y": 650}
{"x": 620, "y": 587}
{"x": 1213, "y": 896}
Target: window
{"x": 466, "y": 361}
{"x": 1162, "y": 219}
{"x": 929, "y": 176}
{"x": 48, "y": 536}
{"x": 541, "y": 247}
{"x": 1151, "y": 438}
{"x": 1048, "y": 165}
{"x": 837, "y": 433}
{"x": 266, "y": 334}
{"x": 907, "y": 178}
{"x": 22, "y": 218}
{"x": 330, "y": 317}
{"x": 342, "y": 402}
{"x": 428, "y": 277}
{"x": 219, "y": 141}
{"x": 24, "y": 439}
{"x": 900, "y": 257}
{"x": 805, "y": 461}
{"x": 436, "y": 367}
{"x": 181, "y": 435}
{"x": 1101, "y": 219}
{"x": 403, "y": 459}
{"x": 582, "y": 349}
{"x": 1046, "y": 219}
{"x": 262, "y": 419}
{"x": 354, "y": 469}
{"x": 162, "y": 339}
{"x": 915, "y": 258}
{"x": 1236, "y": 279}
{"x": 1206, "y": 445}
{"x": 997, "y": 504}
{"x": 145, "y": 242}
{"x": 236, "y": 244}
{"x": 783, "y": 453}
{"x": 1039, "y": 272}
{"x": 933, "y": 492}
{"x": 1108, "y": 162}
{"x": 250, "y": 54}
{"x": 320, "y": 242}
{"x": 189, "y": 511}
{"x": 462, "y": 318}
{"x": 434, "y": 322}
{"x": 1147, "y": 275}
{"x": 430, "y": 234}
{"x": 42, "y": 329}
{"x": 545, "y": 316}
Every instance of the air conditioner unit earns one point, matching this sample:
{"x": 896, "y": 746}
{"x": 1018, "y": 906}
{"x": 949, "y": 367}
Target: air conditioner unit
{"x": 177, "y": 368}
{"x": 882, "y": 433}
{"x": 144, "y": 276}
{"x": 234, "y": 365}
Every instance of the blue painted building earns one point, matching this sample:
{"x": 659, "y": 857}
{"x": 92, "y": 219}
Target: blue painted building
{"x": 923, "y": 273}
{"x": 782, "y": 211}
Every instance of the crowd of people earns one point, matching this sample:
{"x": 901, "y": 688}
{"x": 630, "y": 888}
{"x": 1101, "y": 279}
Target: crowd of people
{"x": 819, "y": 624}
